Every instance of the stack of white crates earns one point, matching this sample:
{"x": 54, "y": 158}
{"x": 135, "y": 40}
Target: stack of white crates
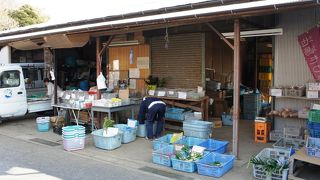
{"x": 313, "y": 89}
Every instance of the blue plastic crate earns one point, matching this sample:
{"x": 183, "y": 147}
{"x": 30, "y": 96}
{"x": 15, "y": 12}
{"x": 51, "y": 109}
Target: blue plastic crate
{"x": 43, "y": 126}
{"x": 163, "y": 156}
{"x": 142, "y": 129}
{"x": 185, "y": 166}
{"x": 175, "y": 113}
{"x": 197, "y": 125}
{"x": 314, "y": 129}
{"x": 108, "y": 143}
{"x": 197, "y": 133}
{"x": 215, "y": 145}
{"x": 162, "y": 142}
{"x": 190, "y": 141}
{"x": 313, "y": 147}
{"x": 227, "y": 120}
{"x": 128, "y": 134}
{"x": 205, "y": 165}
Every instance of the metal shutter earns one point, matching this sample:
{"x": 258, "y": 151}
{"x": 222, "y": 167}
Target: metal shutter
{"x": 181, "y": 61}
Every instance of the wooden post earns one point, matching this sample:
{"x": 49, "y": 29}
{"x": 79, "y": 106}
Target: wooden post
{"x": 98, "y": 63}
{"x": 55, "y": 70}
{"x": 236, "y": 88}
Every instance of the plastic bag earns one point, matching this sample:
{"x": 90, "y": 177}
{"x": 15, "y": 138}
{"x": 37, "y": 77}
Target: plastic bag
{"x": 101, "y": 81}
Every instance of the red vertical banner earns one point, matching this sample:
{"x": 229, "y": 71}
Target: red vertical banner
{"x": 310, "y": 45}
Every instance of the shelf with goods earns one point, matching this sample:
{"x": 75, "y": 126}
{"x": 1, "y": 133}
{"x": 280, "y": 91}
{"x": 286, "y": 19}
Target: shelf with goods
{"x": 265, "y": 75}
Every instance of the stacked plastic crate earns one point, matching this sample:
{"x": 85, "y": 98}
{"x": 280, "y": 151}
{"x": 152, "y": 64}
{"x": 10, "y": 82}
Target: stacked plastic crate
{"x": 313, "y": 142}
{"x": 251, "y": 106}
{"x": 265, "y": 74}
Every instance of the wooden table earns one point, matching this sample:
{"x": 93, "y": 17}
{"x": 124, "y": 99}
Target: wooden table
{"x": 200, "y": 105}
{"x": 301, "y": 156}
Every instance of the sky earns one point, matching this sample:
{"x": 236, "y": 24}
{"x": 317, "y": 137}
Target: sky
{"x": 61, "y": 11}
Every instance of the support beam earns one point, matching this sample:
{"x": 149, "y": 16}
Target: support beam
{"x": 98, "y": 63}
{"x": 236, "y": 89}
{"x": 221, "y": 36}
{"x": 106, "y": 45}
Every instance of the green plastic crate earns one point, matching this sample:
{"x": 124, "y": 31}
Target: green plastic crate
{"x": 314, "y": 116}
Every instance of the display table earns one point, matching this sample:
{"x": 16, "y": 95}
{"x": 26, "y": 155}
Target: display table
{"x": 73, "y": 111}
{"x": 200, "y": 105}
{"x": 109, "y": 110}
{"x": 301, "y": 156}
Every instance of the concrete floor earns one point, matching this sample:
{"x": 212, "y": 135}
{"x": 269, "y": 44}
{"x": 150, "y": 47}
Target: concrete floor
{"x": 138, "y": 154}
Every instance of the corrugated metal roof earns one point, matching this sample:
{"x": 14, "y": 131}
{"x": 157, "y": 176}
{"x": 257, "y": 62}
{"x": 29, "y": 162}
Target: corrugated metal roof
{"x": 148, "y": 18}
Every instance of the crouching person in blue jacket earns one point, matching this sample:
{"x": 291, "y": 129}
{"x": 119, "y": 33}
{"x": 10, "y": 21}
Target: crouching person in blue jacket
{"x": 152, "y": 109}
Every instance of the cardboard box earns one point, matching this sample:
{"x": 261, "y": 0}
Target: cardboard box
{"x": 312, "y": 94}
{"x": 276, "y": 92}
{"x": 84, "y": 116}
{"x": 314, "y": 86}
{"x": 216, "y": 122}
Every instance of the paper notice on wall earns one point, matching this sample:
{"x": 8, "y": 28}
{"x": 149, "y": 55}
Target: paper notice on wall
{"x": 182, "y": 95}
{"x": 116, "y": 65}
{"x": 134, "y": 73}
{"x": 143, "y": 62}
{"x": 132, "y": 84}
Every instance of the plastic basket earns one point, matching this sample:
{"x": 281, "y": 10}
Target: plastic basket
{"x": 190, "y": 141}
{"x": 163, "y": 156}
{"x": 205, "y": 165}
{"x": 162, "y": 142}
{"x": 227, "y": 120}
{"x": 175, "y": 113}
{"x": 43, "y": 126}
{"x": 197, "y": 125}
{"x": 314, "y": 129}
{"x": 289, "y": 144}
{"x": 185, "y": 166}
{"x": 108, "y": 143}
{"x": 73, "y": 144}
{"x": 313, "y": 147}
{"x": 275, "y": 135}
{"x": 291, "y": 131}
{"x": 314, "y": 116}
{"x": 197, "y": 133}
{"x": 276, "y": 154}
{"x": 128, "y": 134}
{"x": 215, "y": 145}
{"x": 142, "y": 129}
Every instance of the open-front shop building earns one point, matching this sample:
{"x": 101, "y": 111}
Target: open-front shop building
{"x": 228, "y": 52}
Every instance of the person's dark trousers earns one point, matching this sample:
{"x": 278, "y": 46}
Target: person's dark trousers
{"x": 155, "y": 113}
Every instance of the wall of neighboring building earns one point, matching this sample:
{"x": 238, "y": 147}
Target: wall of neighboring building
{"x": 182, "y": 62}
{"x": 5, "y": 55}
{"x": 290, "y": 67}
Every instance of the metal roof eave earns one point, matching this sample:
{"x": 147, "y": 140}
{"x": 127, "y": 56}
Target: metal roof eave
{"x": 196, "y": 15}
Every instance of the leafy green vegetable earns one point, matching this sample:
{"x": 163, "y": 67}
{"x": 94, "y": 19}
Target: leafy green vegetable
{"x": 269, "y": 165}
{"x": 216, "y": 163}
{"x": 108, "y": 123}
{"x": 187, "y": 155}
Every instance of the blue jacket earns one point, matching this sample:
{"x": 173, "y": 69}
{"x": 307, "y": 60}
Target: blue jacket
{"x": 144, "y": 107}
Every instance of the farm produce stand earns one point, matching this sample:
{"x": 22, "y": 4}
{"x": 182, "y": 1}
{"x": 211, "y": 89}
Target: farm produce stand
{"x": 301, "y": 156}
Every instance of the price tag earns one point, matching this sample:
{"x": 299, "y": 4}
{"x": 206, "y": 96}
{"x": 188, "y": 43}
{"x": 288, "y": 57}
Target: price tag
{"x": 68, "y": 96}
{"x": 132, "y": 123}
{"x": 178, "y": 147}
{"x": 151, "y": 92}
{"x": 182, "y": 95}
{"x": 171, "y": 92}
{"x": 198, "y": 149}
{"x": 161, "y": 93}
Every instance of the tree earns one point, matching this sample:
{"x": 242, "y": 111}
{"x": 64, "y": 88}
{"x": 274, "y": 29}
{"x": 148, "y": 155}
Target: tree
{"x": 6, "y": 22}
{"x": 27, "y": 15}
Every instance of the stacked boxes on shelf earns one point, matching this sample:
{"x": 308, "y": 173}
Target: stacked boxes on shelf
{"x": 251, "y": 106}
{"x": 313, "y": 89}
{"x": 265, "y": 73}
{"x": 313, "y": 142}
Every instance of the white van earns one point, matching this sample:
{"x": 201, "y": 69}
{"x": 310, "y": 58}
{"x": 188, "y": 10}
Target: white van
{"x": 13, "y": 94}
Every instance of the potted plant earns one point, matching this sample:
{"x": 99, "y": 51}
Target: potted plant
{"x": 152, "y": 82}
{"x": 106, "y": 124}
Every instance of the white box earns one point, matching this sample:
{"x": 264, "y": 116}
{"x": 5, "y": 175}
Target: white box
{"x": 312, "y": 94}
{"x": 276, "y": 92}
{"x": 314, "y": 86}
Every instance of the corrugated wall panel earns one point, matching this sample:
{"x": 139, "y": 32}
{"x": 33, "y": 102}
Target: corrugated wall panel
{"x": 181, "y": 62}
{"x": 290, "y": 66}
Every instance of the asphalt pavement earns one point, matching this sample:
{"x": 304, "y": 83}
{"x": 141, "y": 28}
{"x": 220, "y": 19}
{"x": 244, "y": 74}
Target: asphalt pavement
{"x": 22, "y": 160}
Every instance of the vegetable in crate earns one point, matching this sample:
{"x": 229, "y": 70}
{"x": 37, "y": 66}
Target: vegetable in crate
{"x": 187, "y": 155}
{"x": 270, "y": 165}
{"x": 216, "y": 163}
{"x": 108, "y": 123}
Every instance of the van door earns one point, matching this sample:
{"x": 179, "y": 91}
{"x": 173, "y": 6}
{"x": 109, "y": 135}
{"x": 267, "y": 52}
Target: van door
{"x": 13, "y": 97}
